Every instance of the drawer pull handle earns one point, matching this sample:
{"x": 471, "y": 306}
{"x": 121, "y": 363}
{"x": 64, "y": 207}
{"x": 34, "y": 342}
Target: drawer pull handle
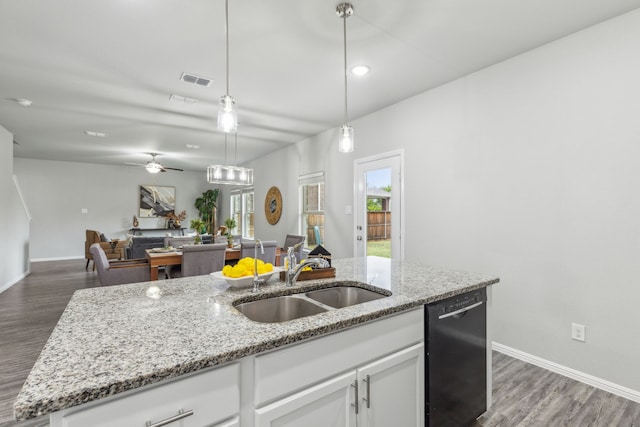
{"x": 181, "y": 414}
{"x": 355, "y": 405}
{"x": 367, "y": 399}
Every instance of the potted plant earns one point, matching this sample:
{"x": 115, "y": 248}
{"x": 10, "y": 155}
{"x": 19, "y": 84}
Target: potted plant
{"x": 197, "y": 225}
{"x": 206, "y": 205}
{"x": 230, "y": 223}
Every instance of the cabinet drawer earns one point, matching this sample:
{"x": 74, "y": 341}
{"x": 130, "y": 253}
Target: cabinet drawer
{"x": 213, "y": 396}
{"x": 281, "y": 372}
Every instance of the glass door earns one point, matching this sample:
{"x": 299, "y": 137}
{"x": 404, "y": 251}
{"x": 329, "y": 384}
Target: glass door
{"x": 379, "y": 201}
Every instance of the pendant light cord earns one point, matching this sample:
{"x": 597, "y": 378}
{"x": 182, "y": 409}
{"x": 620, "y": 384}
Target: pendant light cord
{"x": 226, "y": 36}
{"x": 235, "y": 155}
{"x": 344, "y": 21}
{"x": 225, "y": 149}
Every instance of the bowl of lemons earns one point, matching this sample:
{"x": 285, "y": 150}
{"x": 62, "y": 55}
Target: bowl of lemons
{"x": 241, "y": 274}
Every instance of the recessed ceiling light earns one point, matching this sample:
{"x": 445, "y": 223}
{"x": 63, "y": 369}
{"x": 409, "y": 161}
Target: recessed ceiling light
{"x": 94, "y": 133}
{"x": 195, "y": 147}
{"x": 24, "y": 102}
{"x": 195, "y": 79}
{"x": 360, "y": 70}
{"x": 180, "y": 98}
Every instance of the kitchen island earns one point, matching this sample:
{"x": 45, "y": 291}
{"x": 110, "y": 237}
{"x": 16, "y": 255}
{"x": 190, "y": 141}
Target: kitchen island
{"x": 112, "y": 341}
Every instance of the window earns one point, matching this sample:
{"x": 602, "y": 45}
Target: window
{"x": 242, "y": 210}
{"x": 311, "y": 188}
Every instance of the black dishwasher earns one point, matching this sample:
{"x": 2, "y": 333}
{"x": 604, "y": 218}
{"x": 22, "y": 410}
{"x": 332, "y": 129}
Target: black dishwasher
{"x": 456, "y": 359}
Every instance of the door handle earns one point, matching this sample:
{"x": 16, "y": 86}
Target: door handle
{"x": 356, "y": 404}
{"x": 181, "y": 414}
{"x": 367, "y": 399}
{"x": 461, "y": 312}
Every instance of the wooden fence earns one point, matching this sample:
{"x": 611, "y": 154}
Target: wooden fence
{"x": 378, "y": 225}
{"x": 312, "y": 222}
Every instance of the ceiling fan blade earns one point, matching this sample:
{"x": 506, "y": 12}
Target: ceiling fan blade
{"x": 173, "y": 169}
{"x": 135, "y": 164}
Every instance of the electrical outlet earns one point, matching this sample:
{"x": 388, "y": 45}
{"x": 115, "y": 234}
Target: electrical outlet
{"x": 578, "y": 332}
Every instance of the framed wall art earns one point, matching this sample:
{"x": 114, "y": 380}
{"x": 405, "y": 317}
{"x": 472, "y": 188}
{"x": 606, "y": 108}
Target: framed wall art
{"x": 156, "y": 201}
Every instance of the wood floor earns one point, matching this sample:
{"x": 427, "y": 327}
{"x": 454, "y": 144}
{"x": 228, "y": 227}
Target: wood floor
{"x": 526, "y": 395}
{"x": 523, "y": 394}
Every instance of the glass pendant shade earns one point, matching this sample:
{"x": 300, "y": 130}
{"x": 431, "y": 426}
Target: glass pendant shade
{"x": 227, "y": 115}
{"x": 232, "y": 175}
{"x": 345, "y": 141}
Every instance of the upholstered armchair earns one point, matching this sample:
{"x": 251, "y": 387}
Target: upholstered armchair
{"x": 119, "y": 272}
{"x": 115, "y": 251}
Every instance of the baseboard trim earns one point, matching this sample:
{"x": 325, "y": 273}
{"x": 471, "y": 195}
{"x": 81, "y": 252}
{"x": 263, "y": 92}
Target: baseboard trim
{"x": 574, "y": 374}
{"x": 63, "y": 258}
{"x": 16, "y": 280}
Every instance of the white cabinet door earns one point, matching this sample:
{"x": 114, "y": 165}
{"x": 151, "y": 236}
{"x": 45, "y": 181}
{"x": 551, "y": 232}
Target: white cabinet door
{"x": 326, "y": 404}
{"x": 392, "y": 390}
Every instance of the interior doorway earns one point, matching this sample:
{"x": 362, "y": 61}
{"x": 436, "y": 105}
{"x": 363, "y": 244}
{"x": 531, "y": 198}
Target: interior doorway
{"x": 379, "y": 199}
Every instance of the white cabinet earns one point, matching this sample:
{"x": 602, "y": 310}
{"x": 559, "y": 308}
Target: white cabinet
{"x": 368, "y": 375}
{"x": 387, "y": 392}
{"x": 392, "y": 390}
{"x": 284, "y": 371}
{"x": 326, "y": 404}
{"x": 205, "y": 398}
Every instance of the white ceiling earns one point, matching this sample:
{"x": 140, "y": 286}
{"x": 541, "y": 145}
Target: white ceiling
{"x": 111, "y": 65}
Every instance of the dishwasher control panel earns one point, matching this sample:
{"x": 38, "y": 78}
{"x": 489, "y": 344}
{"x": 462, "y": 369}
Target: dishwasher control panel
{"x": 458, "y": 302}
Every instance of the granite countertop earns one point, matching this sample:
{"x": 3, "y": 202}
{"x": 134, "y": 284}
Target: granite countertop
{"x": 118, "y": 338}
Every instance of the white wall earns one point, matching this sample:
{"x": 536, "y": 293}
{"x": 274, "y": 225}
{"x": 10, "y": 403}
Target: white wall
{"x": 529, "y": 170}
{"x": 14, "y": 251}
{"x": 56, "y": 192}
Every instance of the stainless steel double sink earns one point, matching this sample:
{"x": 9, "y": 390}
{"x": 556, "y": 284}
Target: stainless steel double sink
{"x": 290, "y": 307}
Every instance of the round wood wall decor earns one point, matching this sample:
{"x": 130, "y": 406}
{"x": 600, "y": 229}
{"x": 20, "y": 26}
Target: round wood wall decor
{"x": 273, "y": 205}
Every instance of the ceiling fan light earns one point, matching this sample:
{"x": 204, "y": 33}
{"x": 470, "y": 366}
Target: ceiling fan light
{"x": 153, "y": 167}
{"x": 345, "y": 141}
{"x": 227, "y": 115}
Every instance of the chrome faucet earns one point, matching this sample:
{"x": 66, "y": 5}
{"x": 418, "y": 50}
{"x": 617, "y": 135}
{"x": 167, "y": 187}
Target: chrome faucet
{"x": 256, "y": 280}
{"x": 293, "y": 270}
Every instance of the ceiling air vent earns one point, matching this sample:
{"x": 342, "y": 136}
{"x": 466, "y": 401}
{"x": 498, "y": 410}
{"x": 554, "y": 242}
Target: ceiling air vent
{"x": 198, "y": 80}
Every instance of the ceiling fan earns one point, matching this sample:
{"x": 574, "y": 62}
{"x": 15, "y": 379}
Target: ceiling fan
{"x": 153, "y": 166}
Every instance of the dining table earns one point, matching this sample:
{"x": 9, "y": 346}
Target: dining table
{"x": 158, "y": 258}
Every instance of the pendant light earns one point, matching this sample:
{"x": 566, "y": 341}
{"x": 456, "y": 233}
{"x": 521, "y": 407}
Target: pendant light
{"x": 227, "y": 113}
{"x": 345, "y": 139}
{"x": 230, "y": 175}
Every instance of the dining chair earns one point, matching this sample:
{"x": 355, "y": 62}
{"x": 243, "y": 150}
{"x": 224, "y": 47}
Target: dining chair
{"x": 177, "y": 242}
{"x": 119, "y": 272}
{"x": 247, "y": 249}
{"x": 290, "y": 241}
{"x": 198, "y": 260}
